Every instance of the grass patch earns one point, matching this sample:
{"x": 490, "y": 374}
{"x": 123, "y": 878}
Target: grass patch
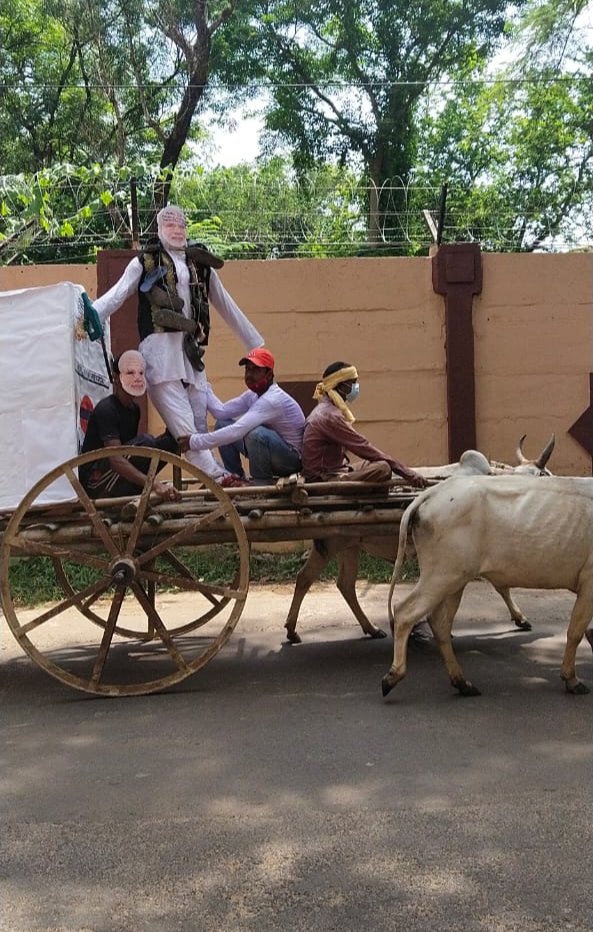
{"x": 273, "y": 567}
{"x": 33, "y": 580}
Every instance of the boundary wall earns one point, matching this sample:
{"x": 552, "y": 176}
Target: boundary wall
{"x": 532, "y": 342}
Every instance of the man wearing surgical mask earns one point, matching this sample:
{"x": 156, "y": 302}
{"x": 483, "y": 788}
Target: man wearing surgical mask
{"x": 329, "y": 436}
{"x": 114, "y": 422}
{"x": 176, "y": 283}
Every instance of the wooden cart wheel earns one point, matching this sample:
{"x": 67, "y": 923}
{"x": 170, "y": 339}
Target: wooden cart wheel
{"x": 87, "y": 606}
{"x": 136, "y": 615}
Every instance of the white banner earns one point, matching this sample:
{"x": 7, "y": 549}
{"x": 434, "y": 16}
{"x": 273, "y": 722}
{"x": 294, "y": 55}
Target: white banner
{"x": 49, "y": 379}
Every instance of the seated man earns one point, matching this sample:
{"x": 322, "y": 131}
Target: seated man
{"x": 113, "y": 423}
{"x": 264, "y": 424}
{"x": 329, "y": 436}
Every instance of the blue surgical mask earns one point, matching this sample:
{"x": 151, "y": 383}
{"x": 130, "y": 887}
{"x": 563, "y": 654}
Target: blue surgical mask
{"x": 353, "y": 393}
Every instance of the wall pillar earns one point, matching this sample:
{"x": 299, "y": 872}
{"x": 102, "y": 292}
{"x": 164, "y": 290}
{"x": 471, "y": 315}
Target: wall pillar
{"x": 582, "y": 429}
{"x": 457, "y": 274}
{"x": 123, "y": 326}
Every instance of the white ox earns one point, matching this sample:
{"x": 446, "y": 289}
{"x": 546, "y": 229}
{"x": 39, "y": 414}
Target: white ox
{"x": 347, "y": 548}
{"x": 473, "y": 463}
{"x": 510, "y": 530}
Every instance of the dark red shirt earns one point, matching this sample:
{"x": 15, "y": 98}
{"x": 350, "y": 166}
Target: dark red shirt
{"x": 329, "y": 438}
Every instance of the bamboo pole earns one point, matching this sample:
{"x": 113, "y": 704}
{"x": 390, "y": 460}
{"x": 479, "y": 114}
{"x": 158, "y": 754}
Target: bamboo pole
{"x": 265, "y": 528}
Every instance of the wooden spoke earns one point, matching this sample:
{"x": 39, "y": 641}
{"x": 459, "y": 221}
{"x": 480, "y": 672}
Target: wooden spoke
{"x": 142, "y": 507}
{"x": 107, "y": 638}
{"x": 95, "y": 518}
{"x": 94, "y": 591}
{"x": 185, "y": 534}
{"x": 129, "y": 576}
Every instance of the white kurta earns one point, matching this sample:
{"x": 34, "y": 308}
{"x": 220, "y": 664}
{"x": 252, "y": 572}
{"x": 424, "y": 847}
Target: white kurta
{"x": 184, "y": 410}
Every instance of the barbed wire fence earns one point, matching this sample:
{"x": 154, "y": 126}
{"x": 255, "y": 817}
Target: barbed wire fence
{"x": 67, "y": 216}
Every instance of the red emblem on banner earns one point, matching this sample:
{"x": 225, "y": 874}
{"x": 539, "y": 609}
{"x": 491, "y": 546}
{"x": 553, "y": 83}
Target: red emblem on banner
{"x": 86, "y": 406}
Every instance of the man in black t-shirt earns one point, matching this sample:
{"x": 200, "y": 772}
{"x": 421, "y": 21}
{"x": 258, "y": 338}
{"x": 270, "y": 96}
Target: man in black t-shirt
{"x": 113, "y": 423}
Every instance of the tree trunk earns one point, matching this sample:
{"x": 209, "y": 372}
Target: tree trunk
{"x": 374, "y": 225}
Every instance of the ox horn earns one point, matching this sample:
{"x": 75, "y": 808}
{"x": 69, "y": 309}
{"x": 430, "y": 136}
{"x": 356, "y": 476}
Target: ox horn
{"x": 522, "y": 459}
{"x": 546, "y": 453}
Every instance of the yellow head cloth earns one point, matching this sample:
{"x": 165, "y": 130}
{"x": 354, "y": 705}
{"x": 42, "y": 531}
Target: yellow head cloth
{"x": 328, "y": 386}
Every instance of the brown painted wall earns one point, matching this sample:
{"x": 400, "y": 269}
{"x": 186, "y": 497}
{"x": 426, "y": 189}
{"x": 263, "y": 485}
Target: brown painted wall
{"x": 381, "y": 316}
{"x": 32, "y": 276}
{"x": 533, "y": 325}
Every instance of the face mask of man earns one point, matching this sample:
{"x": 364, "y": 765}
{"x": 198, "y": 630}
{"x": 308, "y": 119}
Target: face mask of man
{"x": 257, "y": 384}
{"x": 172, "y": 228}
{"x": 131, "y": 373}
{"x": 353, "y": 393}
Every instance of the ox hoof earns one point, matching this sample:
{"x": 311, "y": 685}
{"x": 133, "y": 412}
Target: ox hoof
{"x": 421, "y": 633}
{"x": 293, "y": 638}
{"x": 466, "y": 688}
{"x": 388, "y": 682}
{"x": 377, "y": 634}
{"x": 576, "y": 689}
{"x": 523, "y": 625}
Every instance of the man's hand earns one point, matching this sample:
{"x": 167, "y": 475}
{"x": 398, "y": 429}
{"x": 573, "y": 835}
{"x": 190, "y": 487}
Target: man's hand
{"x": 416, "y": 480}
{"x": 196, "y": 442}
{"x": 166, "y": 492}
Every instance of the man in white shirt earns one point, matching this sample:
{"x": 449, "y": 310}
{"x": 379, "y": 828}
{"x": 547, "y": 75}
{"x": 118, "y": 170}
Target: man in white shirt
{"x": 175, "y": 284}
{"x": 264, "y": 424}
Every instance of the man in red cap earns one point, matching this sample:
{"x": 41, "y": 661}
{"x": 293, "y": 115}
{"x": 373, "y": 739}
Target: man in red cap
{"x": 263, "y": 424}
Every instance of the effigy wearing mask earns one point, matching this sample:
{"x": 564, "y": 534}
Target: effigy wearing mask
{"x": 161, "y": 307}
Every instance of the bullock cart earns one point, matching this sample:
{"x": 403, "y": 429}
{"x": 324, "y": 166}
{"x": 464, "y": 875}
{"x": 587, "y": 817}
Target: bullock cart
{"x": 134, "y": 613}
{"x": 132, "y": 610}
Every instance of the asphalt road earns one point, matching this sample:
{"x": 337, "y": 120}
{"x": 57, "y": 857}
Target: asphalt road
{"x": 277, "y": 790}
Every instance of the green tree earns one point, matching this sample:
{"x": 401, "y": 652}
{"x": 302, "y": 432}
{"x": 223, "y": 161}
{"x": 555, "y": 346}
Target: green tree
{"x": 85, "y": 82}
{"x": 551, "y": 30}
{"x": 44, "y": 111}
{"x": 517, "y": 151}
{"x": 267, "y": 211}
{"x": 379, "y": 102}
{"x": 346, "y": 78}
{"x": 69, "y": 73}
{"x": 518, "y": 163}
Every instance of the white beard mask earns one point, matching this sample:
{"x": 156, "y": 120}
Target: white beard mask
{"x": 131, "y": 373}
{"x": 172, "y": 228}
{"x": 132, "y": 385}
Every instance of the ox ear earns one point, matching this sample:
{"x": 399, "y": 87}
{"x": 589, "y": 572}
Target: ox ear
{"x": 546, "y": 453}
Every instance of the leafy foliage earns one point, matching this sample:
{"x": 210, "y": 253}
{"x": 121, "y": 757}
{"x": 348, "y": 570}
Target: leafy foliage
{"x": 67, "y": 214}
{"x": 380, "y": 103}
{"x": 269, "y": 212}
{"x": 64, "y": 213}
{"x": 347, "y": 79}
{"x": 518, "y": 158}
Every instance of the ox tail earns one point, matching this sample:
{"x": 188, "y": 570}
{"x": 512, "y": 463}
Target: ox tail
{"x": 404, "y": 527}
